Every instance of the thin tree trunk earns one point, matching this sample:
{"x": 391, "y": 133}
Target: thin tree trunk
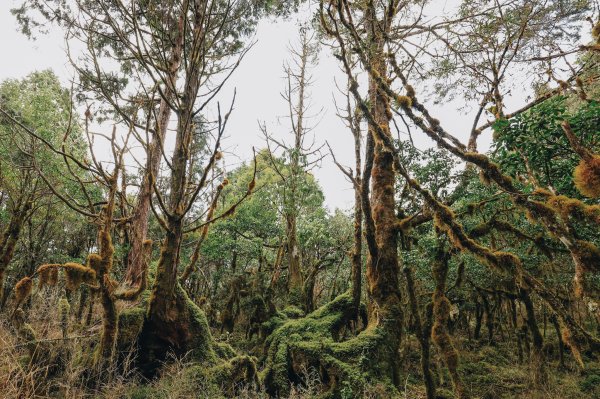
{"x": 9, "y": 239}
{"x": 141, "y": 213}
{"x": 478, "y": 319}
{"x": 357, "y": 250}
{"x": 295, "y": 282}
{"x": 439, "y": 332}
{"x": 537, "y": 358}
{"x": 423, "y": 333}
{"x": 561, "y": 346}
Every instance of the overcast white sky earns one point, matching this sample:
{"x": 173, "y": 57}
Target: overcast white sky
{"x": 259, "y": 82}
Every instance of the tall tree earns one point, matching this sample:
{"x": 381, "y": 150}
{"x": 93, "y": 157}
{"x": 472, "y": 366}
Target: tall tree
{"x": 301, "y": 154}
{"x": 379, "y": 179}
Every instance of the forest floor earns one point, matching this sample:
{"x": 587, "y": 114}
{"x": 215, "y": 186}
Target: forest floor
{"x": 489, "y": 371}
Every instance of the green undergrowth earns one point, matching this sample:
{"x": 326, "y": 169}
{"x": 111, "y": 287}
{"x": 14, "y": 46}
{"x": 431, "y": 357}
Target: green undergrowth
{"x": 494, "y": 372}
{"x": 315, "y": 342}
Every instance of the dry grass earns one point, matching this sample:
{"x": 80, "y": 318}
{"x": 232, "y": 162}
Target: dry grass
{"x": 51, "y": 366}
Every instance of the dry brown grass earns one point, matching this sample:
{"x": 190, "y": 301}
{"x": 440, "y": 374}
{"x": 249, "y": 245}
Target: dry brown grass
{"x": 50, "y": 365}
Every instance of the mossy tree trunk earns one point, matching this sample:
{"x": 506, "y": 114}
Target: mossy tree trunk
{"x": 478, "y": 319}
{"x": 309, "y": 288}
{"x": 561, "y": 346}
{"x": 354, "y": 121}
{"x": 384, "y": 311}
{"x": 10, "y": 237}
{"x": 423, "y": 332}
{"x": 515, "y": 327}
{"x": 169, "y": 325}
{"x": 441, "y": 311}
{"x": 489, "y": 317}
{"x": 537, "y": 356}
{"x": 174, "y": 324}
{"x": 102, "y": 264}
{"x": 295, "y": 280}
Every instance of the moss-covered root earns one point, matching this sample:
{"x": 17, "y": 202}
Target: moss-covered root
{"x": 184, "y": 332}
{"x": 227, "y": 377}
{"x": 312, "y": 343}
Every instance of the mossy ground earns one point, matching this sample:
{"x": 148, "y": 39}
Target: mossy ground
{"x": 494, "y": 372}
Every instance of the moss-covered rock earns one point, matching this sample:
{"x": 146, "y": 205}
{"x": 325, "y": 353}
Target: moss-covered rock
{"x": 130, "y": 323}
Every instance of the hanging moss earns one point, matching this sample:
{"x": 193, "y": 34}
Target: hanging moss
{"x": 76, "y": 274}
{"x": 23, "y": 289}
{"x": 48, "y": 275}
{"x": 586, "y": 177}
{"x": 567, "y": 207}
{"x": 403, "y": 101}
{"x": 94, "y": 261}
{"x": 587, "y": 261}
{"x": 571, "y": 343}
{"x": 590, "y": 256}
{"x": 106, "y": 251}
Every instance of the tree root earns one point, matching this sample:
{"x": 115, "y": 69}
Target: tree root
{"x": 313, "y": 343}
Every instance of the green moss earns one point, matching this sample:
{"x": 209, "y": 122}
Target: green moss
{"x": 293, "y": 312}
{"x": 201, "y": 344}
{"x": 187, "y": 333}
{"x": 131, "y": 321}
{"x": 226, "y": 377}
{"x": 313, "y": 342}
{"x": 274, "y": 322}
{"x": 223, "y": 350}
{"x": 130, "y": 325}
{"x": 591, "y": 384}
